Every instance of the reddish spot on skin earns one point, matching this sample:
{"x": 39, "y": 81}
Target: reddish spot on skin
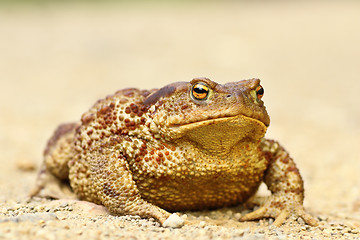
{"x": 90, "y": 132}
{"x": 292, "y": 169}
{"x": 155, "y": 164}
{"x": 285, "y": 160}
{"x": 143, "y": 108}
{"x": 102, "y": 135}
{"x": 129, "y": 92}
{"x": 173, "y": 148}
{"x": 183, "y": 107}
{"x": 141, "y": 153}
{"x": 134, "y": 108}
{"x": 104, "y": 109}
{"x": 277, "y": 204}
{"x": 267, "y": 156}
{"x": 167, "y": 153}
{"x": 87, "y": 118}
{"x": 127, "y": 110}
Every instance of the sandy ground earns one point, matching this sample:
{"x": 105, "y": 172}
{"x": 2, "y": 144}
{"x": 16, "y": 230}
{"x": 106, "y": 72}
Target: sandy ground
{"x": 57, "y": 60}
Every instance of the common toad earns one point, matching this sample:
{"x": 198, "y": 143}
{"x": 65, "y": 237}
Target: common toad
{"x": 187, "y": 146}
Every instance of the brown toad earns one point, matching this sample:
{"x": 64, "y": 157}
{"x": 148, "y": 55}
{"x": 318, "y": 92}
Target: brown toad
{"x": 186, "y": 146}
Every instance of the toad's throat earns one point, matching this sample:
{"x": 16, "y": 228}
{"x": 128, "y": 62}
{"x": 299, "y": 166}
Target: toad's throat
{"x": 222, "y": 133}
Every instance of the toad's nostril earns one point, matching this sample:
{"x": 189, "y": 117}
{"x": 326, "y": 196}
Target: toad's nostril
{"x": 228, "y": 96}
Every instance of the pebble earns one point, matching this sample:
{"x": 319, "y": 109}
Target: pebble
{"x": 237, "y": 216}
{"x": 340, "y": 228}
{"x": 202, "y": 224}
{"x": 303, "y": 228}
{"x": 300, "y": 221}
{"x": 174, "y": 221}
{"x": 3, "y": 210}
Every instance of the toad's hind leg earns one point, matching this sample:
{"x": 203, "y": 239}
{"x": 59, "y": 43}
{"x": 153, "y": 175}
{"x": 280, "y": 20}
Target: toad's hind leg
{"x": 111, "y": 183}
{"x": 52, "y": 180}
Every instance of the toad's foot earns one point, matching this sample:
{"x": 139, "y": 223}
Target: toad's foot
{"x": 49, "y": 186}
{"x": 281, "y": 210}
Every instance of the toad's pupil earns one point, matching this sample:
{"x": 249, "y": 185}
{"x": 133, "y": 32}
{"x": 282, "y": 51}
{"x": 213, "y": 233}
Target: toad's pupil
{"x": 200, "y": 90}
{"x": 260, "y": 91}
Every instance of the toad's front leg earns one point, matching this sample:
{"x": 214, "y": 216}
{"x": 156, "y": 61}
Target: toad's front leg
{"x": 110, "y": 182}
{"x": 286, "y": 185}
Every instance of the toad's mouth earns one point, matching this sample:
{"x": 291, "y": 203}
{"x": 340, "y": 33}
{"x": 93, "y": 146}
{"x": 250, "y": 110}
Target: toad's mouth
{"x": 264, "y": 119}
{"x": 221, "y": 129}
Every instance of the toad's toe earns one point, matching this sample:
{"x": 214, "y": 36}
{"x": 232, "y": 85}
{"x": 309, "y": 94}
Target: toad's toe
{"x": 281, "y": 215}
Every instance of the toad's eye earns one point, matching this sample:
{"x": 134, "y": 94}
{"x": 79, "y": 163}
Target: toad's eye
{"x": 259, "y": 92}
{"x": 200, "y": 91}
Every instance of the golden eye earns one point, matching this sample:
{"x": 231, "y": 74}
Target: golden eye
{"x": 259, "y": 92}
{"x": 200, "y": 91}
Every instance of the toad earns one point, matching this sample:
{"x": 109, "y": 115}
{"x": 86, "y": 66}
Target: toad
{"x": 187, "y": 146}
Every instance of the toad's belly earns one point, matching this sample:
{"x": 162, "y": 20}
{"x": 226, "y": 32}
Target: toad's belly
{"x": 201, "y": 192}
